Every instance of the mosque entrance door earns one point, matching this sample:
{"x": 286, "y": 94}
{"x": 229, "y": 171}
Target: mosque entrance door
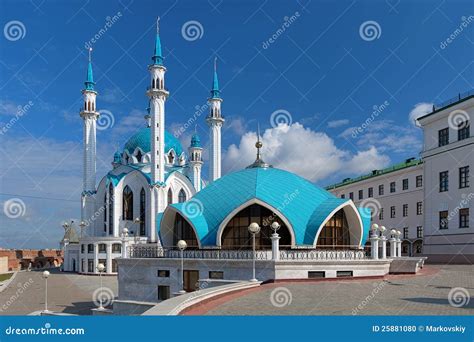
{"x": 191, "y": 280}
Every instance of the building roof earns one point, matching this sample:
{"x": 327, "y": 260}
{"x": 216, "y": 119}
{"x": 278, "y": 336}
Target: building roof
{"x": 195, "y": 140}
{"x": 142, "y": 139}
{"x": 449, "y": 103}
{"x": 303, "y": 204}
{"x": 375, "y": 173}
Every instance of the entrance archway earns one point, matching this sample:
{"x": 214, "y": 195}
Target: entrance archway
{"x": 335, "y": 233}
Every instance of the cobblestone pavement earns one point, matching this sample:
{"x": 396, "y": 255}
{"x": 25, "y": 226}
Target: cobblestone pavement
{"x": 67, "y": 292}
{"x": 396, "y": 295}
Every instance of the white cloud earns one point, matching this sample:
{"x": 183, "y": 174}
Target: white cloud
{"x": 112, "y": 95}
{"x": 419, "y": 110}
{"x": 312, "y": 155}
{"x": 338, "y": 123}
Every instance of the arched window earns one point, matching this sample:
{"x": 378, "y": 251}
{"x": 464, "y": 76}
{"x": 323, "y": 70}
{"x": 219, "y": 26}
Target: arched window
{"x": 127, "y": 204}
{"x": 139, "y": 156}
{"x": 170, "y": 157}
{"x": 142, "y": 212}
{"x": 182, "y": 230}
{"x": 105, "y": 212}
{"x": 111, "y": 209}
{"x": 181, "y": 196}
{"x": 236, "y": 234}
{"x": 170, "y": 196}
{"x": 153, "y": 83}
{"x": 335, "y": 233}
{"x": 126, "y": 159}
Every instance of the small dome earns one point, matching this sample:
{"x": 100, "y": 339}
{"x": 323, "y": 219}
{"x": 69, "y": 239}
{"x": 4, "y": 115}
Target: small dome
{"x": 142, "y": 139}
{"x": 117, "y": 157}
{"x": 195, "y": 140}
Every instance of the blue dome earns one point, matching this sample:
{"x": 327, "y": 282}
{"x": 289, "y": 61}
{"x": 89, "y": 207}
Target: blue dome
{"x": 142, "y": 140}
{"x": 195, "y": 140}
{"x": 304, "y": 205}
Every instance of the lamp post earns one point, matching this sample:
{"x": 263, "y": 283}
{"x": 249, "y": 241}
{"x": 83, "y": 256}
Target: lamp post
{"x": 124, "y": 242}
{"x": 275, "y": 241}
{"x": 383, "y": 239}
{"x": 82, "y": 225}
{"x": 374, "y": 241}
{"x": 254, "y": 229}
{"x": 100, "y": 268}
{"x": 399, "y": 244}
{"x": 137, "y": 232}
{"x": 393, "y": 243}
{"x": 182, "y": 246}
{"x": 45, "y": 276}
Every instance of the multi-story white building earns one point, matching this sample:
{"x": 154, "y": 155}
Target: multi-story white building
{"x": 395, "y": 195}
{"x": 428, "y": 200}
{"x": 448, "y": 155}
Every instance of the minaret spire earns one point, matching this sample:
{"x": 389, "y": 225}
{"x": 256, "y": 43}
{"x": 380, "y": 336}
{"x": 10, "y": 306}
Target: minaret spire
{"x": 157, "y": 56}
{"x": 89, "y": 83}
{"x": 259, "y": 161}
{"x": 215, "y": 92}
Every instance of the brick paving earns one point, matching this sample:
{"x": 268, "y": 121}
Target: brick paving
{"x": 423, "y": 294}
{"x": 67, "y": 292}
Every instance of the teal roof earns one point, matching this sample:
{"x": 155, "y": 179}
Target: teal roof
{"x": 302, "y": 203}
{"x": 89, "y": 83}
{"x": 157, "y": 56}
{"x": 195, "y": 140}
{"x": 142, "y": 139}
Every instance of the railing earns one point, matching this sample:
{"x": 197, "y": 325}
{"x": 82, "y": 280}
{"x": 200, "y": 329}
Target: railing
{"x": 323, "y": 255}
{"x": 458, "y": 98}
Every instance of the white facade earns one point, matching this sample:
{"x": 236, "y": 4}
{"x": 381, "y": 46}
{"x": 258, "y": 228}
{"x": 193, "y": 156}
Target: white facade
{"x": 399, "y": 209}
{"x": 453, "y": 240}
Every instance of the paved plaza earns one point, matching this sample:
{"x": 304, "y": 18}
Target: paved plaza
{"x": 424, "y": 294}
{"x": 67, "y": 292}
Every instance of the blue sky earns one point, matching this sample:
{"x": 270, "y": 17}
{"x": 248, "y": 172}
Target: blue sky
{"x": 310, "y": 62}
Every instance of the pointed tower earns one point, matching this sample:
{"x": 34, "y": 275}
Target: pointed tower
{"x": 215, "y": 122}
{"x": 157, "y": 95}
{"x": 89, "y": 115}
{"x": 195, "y": 161}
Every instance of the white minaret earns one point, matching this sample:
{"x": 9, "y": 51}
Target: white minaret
{"x": 89, "y": 114}
{"x": 195, "y": 161}
{"x": 157, "y": 95}
{"x": 215, "y": 122}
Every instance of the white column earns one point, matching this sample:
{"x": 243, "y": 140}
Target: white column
{"x": 96, "y": 257}
{"x": 383, "y": 240}
{"x": 399, "y": 247}
{"x": 109, "y": 257}
{"x": 393, "y": 247}
{"x": 124, "y": 248}
{"x": 374, "y": 244}
{"x": 275, "y": 246}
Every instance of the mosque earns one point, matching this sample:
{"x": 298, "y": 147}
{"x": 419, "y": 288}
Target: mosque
{"x": 153, "y": 210}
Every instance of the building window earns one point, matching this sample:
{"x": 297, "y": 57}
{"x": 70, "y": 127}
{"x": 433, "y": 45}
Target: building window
{"x": 181, "y": 196}
{"x": 464, "y": 130}
{"x": 393, "y": 187}
{"x": 405, "y": 233}
{"x": 405, "y": 184}
{"x": 90, "y": 248}
{"x": 464, "y": 218}
{"x": 163, "y": 292}
{"x": 381, "y": 190}
{"x": 90, "y": 265}
{"x": 170, "y": 196}
{"x": 392, "y": 212}
{"x": 464, "y": 177}
{"x": 142, "y": 212}
{"x": 351, "y": 195}
{"x": 443, "y": 219}
{"x": 127, "y": 204}
{"x": 371, "y": 192}
{"x": 443, "y": 181}
{"x": 116, "y": 248}
{"x": 443, "y": 137}
{"x": 163, "y": 273}
{"x": 216, "y": 275}
{"x": 361, "y": 194}
{"x": 343, "y": 196}
{"x": 102, "y": 247}
{"x": 419, "y": 181}
{"x": 111, "y": 209}
{"x": 405, "y": 210}
{"x": 419, "y": 208}
{"x": 316, "y": 274}
{"x": 114, "y": 266}
{"x": 83, "y": 248}
{"x": 381, "y": 214}
{"x": 419, "y": 232}
{"x": 182, "y": 230}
